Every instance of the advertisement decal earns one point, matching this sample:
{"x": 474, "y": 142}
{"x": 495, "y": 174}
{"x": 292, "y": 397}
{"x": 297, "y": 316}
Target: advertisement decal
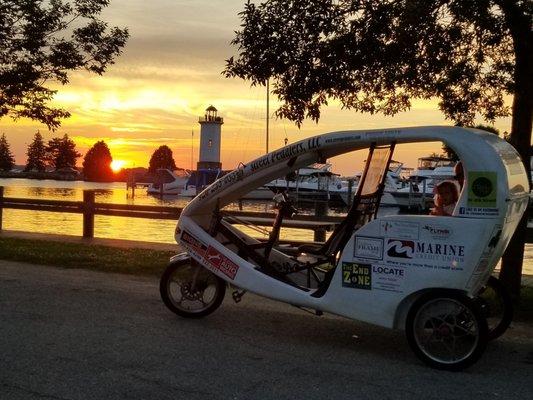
{"x": 398, "y": 248}
{"x": 220, "y": 262}
{"x": 193, "y": 244}
{"x": 358, "y": 276}
{"x": 416, "y": 253}
{"x": 387, "y": 278}
{"x": 482, "y": 187}
{"x": 400, "y": 229}
{"x": 482, "y": 269}
{"x": 368, "y": 247}
{"x": 479, "y": 211}
{"x": 437, "y": 231}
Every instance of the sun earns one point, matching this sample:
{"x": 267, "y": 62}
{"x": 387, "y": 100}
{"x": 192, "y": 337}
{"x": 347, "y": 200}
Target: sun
{"x": 117, "y": 165}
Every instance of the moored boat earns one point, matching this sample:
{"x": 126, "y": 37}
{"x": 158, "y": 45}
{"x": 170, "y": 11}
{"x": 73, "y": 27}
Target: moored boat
{"x": 168, "y": 182}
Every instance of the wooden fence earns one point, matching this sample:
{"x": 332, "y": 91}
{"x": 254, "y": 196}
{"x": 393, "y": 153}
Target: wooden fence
{"x": 319, "y": 223}
{"x": 89, "y": 208}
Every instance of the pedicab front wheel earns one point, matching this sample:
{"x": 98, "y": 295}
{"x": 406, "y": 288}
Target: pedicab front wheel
{"x": 447, "y": 330}
{"x": 190, "y": 290}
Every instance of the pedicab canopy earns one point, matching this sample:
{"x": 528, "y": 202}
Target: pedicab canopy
{"x": 494, "y": 173}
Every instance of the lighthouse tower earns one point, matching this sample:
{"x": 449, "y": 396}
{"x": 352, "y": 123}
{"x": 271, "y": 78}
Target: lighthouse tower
{"x": 210, "y": 127}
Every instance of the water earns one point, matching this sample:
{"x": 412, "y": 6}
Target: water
{"x": 152, "y": 230}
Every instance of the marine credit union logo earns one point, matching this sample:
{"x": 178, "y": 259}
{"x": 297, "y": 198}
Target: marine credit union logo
{"x": 400, "y": 248}
{"x": 408, "y": 249}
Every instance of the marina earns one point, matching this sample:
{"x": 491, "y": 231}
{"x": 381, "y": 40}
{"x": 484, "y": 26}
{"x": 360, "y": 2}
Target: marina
{"x": 405, "y": 188}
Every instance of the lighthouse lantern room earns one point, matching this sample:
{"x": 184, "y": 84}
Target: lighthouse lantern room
{"x": 210, "y": 129}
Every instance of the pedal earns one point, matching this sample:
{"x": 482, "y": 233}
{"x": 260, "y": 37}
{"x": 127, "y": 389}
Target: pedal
{"x": 237, "y": 295}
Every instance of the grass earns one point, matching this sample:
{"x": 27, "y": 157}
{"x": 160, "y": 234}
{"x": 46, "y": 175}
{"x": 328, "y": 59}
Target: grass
{"x": 77, "y": 255}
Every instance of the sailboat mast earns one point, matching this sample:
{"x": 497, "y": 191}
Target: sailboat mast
{"x": 192, "y": 148}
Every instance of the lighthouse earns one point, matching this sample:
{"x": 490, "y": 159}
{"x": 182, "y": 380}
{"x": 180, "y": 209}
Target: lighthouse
{"x": 210, "y": 128}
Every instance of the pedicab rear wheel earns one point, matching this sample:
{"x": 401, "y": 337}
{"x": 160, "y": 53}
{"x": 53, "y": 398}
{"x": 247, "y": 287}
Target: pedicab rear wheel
{"x": 190, "y": 290}
{"x": 447, "y": 330}
{"x": 497, "y": 306}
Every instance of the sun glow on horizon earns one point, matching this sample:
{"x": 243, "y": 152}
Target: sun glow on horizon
{"x": 117, "y": 165}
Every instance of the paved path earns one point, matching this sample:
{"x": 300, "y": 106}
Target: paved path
{"x": 75, "y": 334}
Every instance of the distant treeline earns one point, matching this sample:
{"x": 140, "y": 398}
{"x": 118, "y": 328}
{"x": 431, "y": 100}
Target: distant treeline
{"x": 57, "y": 159}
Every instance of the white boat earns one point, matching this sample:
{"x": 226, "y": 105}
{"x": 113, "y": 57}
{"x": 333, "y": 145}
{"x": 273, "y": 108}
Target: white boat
{"x": 315, "y": 182}
{"x": 261, "y": 193}
{"x": 198, "y": 180}
{"x": 419, "y": 190}
{"x": 393, "y": 182}
{"x": 168, "y": 182}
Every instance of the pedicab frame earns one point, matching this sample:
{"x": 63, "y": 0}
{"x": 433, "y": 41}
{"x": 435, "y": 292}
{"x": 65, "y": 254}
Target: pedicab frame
{"x": 395, "y": 271}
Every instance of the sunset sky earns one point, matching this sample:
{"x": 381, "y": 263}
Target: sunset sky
{"x": 169, "y": 73}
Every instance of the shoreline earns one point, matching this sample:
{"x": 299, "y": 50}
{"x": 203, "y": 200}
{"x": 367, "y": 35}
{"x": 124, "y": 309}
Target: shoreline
{"x": 53, "y": 176}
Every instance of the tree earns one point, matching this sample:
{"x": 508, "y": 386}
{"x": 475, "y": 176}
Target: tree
{"x": 41, "y": 41}
{"x": 375, "y": 56}
{"x": 97, "y": 163}
{"x": 36, "y": 154}
{"x": 162, "y": 158}
{"x": 7, "y": 161}
{"x": 61, "y": 153}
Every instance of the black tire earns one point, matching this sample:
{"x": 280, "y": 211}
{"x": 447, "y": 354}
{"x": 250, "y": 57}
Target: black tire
{"x": 497, "y": 306}
{"x": 446, "y": 330}
{"x": 190, "y": 290}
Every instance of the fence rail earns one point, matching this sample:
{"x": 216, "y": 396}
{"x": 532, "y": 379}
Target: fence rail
{"x": 89, "y": 208}
{"x": 319, "y": 224}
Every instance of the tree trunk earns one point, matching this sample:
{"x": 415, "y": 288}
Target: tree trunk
{"x": 520, "y": 27}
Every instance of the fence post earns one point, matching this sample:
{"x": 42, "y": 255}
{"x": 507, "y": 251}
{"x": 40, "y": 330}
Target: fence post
{"x": 1, "y": 204}
{"x": 350, "y": 191}
{"x": 130, "y": 183}
{"x": 321, "y": 210}
{"x": 88, "y": 213}
{"x": 423, "y": 200}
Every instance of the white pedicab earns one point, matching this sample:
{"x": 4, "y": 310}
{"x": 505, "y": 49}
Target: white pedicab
{"x": 420, "y": 273}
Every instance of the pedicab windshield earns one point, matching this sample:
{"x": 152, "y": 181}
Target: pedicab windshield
{"x": 366, "y": 201}
{"x": 376, "y": 169}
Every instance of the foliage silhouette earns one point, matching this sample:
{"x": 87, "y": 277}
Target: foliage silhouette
{"x": 97, "y": 163}
{"x": 376, "y": 56}
{"x": 7, "y": 161}
{"x": 41, "y": 42}
{"x": 162, "y": 158}
{"x": 61, "y": 153}
{"x": 36, "y": 154}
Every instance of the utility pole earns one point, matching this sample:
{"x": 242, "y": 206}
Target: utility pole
{"x": 267, "y": 112}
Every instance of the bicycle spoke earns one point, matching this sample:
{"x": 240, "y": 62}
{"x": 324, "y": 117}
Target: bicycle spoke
{"x": 446, "y": 330}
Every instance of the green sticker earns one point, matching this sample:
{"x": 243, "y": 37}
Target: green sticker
{"x": 357, "y": 276}
{"x": 482, "y": 189}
